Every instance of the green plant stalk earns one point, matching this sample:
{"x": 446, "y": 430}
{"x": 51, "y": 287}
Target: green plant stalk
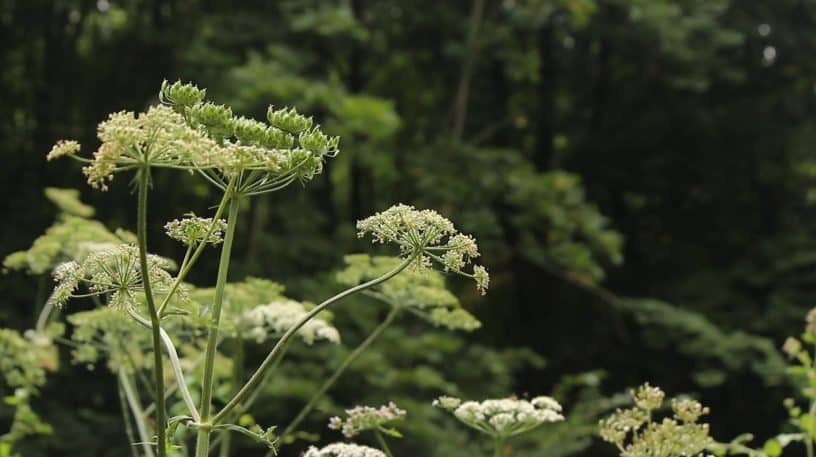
{"x": 126, "y": 419}
{"x": 172, "y": 356}
{"x": 812, "y": 411}
{"x": 383, "y": 444}
{"x": 340, "y": 370}
{"x": 258, "y": 375}
{"x": 186, "y": 266}
{"x": 205, "y": 428}
{"x": 254, "y": 396}
{"x": 158, "y": 366}
{"x": 136, "y": 408}
{"x": 237, "y": 376}
{"x": 498, "y": 444}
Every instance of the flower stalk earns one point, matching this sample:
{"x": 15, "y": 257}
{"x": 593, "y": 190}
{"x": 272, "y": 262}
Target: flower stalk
{"x": 158, "y": 366}
{"x": 292, "y": 427}
{"x": 205, "y": 429}
{"x": 258, "y": 375}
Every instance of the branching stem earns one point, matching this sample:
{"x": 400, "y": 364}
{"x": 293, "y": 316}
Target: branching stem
{"x": 340, "y": 370}
{"x": 256, "y": 377}
{"x": 203, "y": 436}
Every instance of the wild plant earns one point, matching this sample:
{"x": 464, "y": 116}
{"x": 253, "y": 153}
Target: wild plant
{"x": 149, "y": 318}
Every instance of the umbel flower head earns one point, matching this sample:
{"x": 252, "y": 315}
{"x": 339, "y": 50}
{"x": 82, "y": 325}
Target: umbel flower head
{"x": 113, "y": 271}
{"x": 427, "y": 236}
{"x": 503, "y": 418}
{"x": 343, "y": 450}
{"x": 422, "y": 292}
{"x": 187, "y": 132}
{"x": 259, "y": 157}
{"x": 159, "y": 137}
{"x": 636, "y": 434}
{"x": 275, "y": 318}
{"x": 362, "y": 418}
{"x": 193, "y": 230}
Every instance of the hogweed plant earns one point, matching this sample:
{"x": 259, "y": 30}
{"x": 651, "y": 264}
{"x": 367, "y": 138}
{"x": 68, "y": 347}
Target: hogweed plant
{"x": 502, "y": 419}
{"x": 639, "y": 431}
{"x": 148, "y": 318}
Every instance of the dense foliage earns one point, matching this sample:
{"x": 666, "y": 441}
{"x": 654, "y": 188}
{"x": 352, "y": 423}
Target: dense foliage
{"x": 638, "y": 174}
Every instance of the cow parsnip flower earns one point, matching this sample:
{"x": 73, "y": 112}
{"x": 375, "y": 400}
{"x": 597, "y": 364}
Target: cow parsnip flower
{"x": 503, "y": 418}
{"x": 113, "y": 271}
{"x": 187, "y": 132}
{"x": 343, "y": 450}
{"x": 193, "y": 230}
{"x": 63, "y": 148}
{"x": 160, "y": 137}
{"x": 274, "y": 319}
{"x": 180, "y": 95}
{"x": 428, "y": 236}
{"x": 362, "y": 418}
{"x": 258, "y": 157}
{"x": 420, "y": 291}
{"x": 637, "y": 434}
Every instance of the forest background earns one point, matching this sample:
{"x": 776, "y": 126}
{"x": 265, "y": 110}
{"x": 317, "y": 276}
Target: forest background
{"x": 639, "y": 175}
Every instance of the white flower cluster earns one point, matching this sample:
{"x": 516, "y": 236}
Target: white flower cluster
{"x": 187, "y": 132}
{"x": 362, "y": 418}
{"x": 635, "y": 434}
{"x": 160, "y": 137}
{"x": 193, "y": 230}
{"x": 503, "y": 418}
{"x": 428, "y": 236}
{"x": 275, "y": 318}
{"x": 113, "y": 270}
{"x": 343, "y": 450}
{"x": 63, "y": 148}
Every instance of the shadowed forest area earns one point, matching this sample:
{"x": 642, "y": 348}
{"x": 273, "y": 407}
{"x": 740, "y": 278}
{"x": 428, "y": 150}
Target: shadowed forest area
{"x": 640, "y": 176}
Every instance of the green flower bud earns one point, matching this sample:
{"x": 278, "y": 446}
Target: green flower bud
{"x": 180, "y": 96}
{"x": 317, "y": 142}
{"x": 278, "y": 139}
{"x": 215, "y": 119}
{"x": 249, "y": 131}
{"x": 288, "y": 119}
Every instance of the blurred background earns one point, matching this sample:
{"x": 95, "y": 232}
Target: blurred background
{"x": 639, "y": 175}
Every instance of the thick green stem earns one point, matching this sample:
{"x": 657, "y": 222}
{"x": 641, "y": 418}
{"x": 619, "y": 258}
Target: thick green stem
{"x": 256, "y": 377}
{"x": 383, "y": 444}
{"x": 340, "y": 370}
{"x": 204, "y": 430}
{"x": 498, "y": 445}
{"x": 158, "y": 366}
{"x": 237, "y": 377}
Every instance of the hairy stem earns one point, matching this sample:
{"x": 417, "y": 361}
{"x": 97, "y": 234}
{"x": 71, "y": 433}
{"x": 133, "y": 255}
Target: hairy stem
{"x": 158, "y": 366}
{"x": 132, "y": 398}
{"x": 498, "y": 444}
{"x": 256, "y": 377}
{"x": 204, "y": 430}
{"x": 383, "y": 444}
{"x": 340, "y": 370}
